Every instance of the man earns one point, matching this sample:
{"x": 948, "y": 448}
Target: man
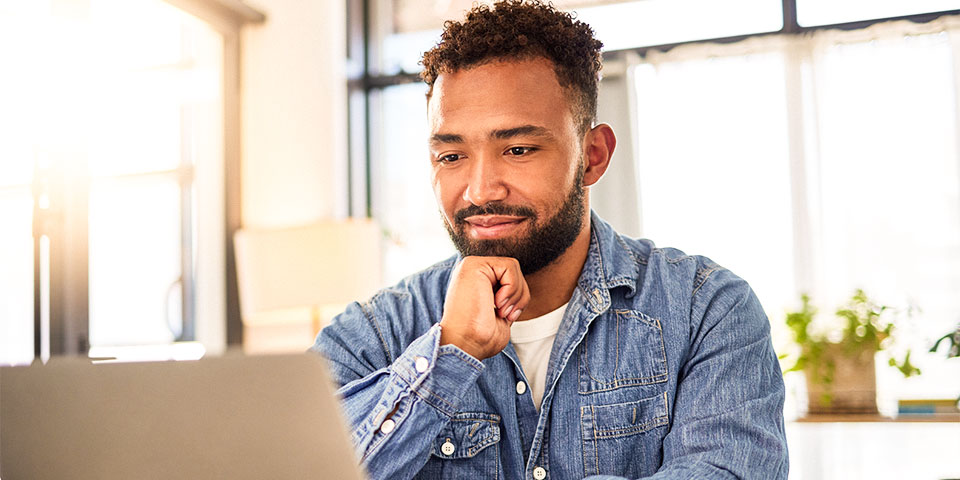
{"x": 551, "y": 347}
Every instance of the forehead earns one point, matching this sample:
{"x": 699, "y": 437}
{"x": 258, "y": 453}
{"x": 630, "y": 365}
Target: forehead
{"x": 497, "y": 95}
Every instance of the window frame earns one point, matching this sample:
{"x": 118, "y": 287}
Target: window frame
{"x": 66, "y": 225}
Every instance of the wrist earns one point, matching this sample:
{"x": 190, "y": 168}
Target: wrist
{"x": 449, "y": 337}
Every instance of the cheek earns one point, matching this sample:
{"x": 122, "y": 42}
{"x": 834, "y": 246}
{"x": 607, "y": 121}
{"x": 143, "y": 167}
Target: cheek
{"x": 445, "y": 195}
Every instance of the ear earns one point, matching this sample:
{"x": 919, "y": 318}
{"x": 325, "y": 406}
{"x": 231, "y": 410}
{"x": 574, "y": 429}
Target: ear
{"x": 598, "y": 147}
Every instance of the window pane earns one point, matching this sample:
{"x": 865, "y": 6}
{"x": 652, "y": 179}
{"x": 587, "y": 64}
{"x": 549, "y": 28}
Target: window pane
{"x": 145, "y": 83}
{"x": 402, "y": 51}
{"x": 16, "y": 275}
{"x": 713, "y": 166}
{"x": 134, "y": 260}
{"x": 416, "y": 28}
{"x": 659, "y": 22}
{"x": 891, "y": 187}
{"x": 137, "y": 128}
{"x": 403, "y": 197}
{"x": 130, "y": 87}
{"x": 826, "y": 12}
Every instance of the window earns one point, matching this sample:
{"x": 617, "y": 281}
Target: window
{"x": 828, "y": 12}
{"x": 403, "y": 197}
{"x": 403, "y": 29}
{"x": 824, "y": 164}
{"x": 115, "y": 111}
{"x": 889, "y": 185}
{"x": 713, "y": 164}
{"x": 661, "y": 22}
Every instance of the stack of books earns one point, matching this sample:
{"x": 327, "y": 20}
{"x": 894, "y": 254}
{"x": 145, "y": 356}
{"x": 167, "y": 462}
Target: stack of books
{"x": 928, "y": 407}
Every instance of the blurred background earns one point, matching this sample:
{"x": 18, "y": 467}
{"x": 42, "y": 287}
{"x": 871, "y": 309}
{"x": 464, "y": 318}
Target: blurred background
{"x": 157, "y": 156}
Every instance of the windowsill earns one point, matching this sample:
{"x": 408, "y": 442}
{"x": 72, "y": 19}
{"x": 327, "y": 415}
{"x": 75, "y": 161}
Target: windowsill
{"x": 876, "y": 418}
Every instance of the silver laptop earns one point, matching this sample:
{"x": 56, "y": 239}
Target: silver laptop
{"x": 233, "y": 417}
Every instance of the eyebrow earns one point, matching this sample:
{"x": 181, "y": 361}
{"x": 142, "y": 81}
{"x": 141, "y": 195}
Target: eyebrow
{"x": 437, "y": 138}
{"x": 530, "y": 130}
{"x": 501, "y": 134}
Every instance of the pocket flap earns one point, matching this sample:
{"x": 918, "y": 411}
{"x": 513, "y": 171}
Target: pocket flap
{"x": 622, "y": 419}
{"x": 467, "y": 434}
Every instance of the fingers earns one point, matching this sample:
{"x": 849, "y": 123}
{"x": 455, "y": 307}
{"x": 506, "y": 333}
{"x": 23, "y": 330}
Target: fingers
{"x": 478, "y": 284}
{"x": 514, "y": 293}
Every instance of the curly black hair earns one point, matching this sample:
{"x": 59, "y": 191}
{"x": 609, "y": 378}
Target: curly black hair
{"x": 518, "y": 29}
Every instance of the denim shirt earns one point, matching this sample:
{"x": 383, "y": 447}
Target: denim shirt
{"x": 663, "y": 368}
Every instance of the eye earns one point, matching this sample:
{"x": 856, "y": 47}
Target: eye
{"x": 449, "y": 158}
{"x": 517, "y": 151}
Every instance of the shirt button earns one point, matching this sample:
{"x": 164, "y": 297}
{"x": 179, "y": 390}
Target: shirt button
{"x": 521, "y": 388}
{"x": 447, "y": 448}
{"x": 421, "y": 364}
{"x": 387, "y": 426}
{"x": 539, "y": 473}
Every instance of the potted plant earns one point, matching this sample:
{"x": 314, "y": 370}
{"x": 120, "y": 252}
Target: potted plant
{"x": 839, "y": 363}
{"x": 952, "y": 340}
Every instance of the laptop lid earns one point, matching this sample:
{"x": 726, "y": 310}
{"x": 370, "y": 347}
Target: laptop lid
{"x": 235, "y": 417}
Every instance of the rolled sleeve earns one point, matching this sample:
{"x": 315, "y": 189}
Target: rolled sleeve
{"x": 396, "y": 411}
{"x": 449, "y": 371}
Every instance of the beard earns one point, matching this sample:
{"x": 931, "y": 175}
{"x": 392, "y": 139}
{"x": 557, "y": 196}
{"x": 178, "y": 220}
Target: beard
{"x": 544, "y": 243}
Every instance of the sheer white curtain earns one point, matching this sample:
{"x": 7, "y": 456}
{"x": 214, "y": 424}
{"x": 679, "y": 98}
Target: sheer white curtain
{"x": 816, "y": 164}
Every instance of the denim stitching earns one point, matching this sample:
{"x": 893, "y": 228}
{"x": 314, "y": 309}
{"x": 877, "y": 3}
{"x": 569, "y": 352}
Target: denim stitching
{"x": 616, "y": 360}
{"x": 368, "y": 312}
{"x": 426, "y": 394}
{"x": 375, "y": 444}
{"x": 618, "y": 384}
{"x": 462, "y": 356}
{"x": 583, "y": 444}
{"x": 596, "y": 448}
{"x": 702, "y": 277}
{"x": 670, "y": 259}
{"x": 633, "y": 430}
{"x": 491, "y": 439}
{"x": 496, "y": 463}
{"x": 618, "y": 432}
{"x": 622, "y": 382}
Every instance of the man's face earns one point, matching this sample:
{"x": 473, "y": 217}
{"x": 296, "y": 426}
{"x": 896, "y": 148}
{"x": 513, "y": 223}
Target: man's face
{"x": 507, "y": 161}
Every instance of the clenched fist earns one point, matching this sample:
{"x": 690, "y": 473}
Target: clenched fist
{"x": 485, "y": 297}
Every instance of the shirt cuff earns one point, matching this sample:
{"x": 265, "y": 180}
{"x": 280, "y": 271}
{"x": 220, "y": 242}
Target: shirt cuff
{"x": 439, "y": 374}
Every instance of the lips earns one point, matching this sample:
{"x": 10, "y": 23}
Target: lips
{"x": 492, "y": 226}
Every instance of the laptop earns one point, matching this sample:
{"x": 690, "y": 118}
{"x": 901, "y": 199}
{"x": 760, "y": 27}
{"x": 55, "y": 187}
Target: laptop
{"x": 232, "y": 417}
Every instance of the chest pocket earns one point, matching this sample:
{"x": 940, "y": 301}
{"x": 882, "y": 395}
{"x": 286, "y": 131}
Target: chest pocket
{"x": 466, "y": 448}
{"x": 614, "y": 434}
{"x": 622, "y": 348}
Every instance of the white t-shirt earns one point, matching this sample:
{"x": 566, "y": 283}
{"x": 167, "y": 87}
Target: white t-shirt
{"x": 533, "y": 341}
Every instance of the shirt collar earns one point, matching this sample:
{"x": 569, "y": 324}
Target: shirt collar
{"x": 610, "y": 264}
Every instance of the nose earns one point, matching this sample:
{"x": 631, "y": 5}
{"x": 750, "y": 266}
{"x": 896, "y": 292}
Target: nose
{"x": 485, "y": 183}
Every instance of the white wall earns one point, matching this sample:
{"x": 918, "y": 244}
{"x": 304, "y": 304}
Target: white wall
{"x": 294, "y": 135}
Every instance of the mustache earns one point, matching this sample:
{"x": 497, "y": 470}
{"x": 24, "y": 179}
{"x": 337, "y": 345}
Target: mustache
{"x": 495, "y": 208}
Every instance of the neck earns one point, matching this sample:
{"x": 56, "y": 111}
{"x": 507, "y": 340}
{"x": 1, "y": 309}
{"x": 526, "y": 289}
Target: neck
{"x": 553, "y": 285}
